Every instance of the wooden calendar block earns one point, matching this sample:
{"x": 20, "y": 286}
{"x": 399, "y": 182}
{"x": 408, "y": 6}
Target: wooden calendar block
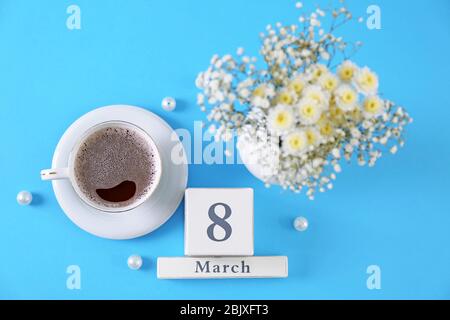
{"x": 223, "y": 267}
{"x": 218, "y": 222}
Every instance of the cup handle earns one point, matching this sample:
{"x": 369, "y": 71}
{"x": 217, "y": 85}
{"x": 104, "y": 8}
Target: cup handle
{"x": 55, "y": 174}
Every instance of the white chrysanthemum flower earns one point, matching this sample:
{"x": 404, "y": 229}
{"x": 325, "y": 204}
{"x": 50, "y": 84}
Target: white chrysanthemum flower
{"x": 309, "y": 111}
{"x": 329, "y": 81}
{"x": 346, "y": 71}
{"x": 316, "y": 93}
{"x": 366, "y": 81}
{"x": 373, "y": 106}
{"x": 346, "y": 97}
{"x": 281, "y": 119}
{"x": 295, "y": 143}
{"x": 285, "y": 97}
{"x": 260, "y": 91}
{"x": 313, "y": 136}
{"x": 297, "y": 84}
{"x": 264, "y": 91}
{"x": 326, "y": 128}
{"x": 317, "y": 71}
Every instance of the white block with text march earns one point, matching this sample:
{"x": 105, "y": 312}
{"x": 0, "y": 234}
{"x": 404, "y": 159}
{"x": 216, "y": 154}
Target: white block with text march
{"x": 222, "y": 267}
{"x": 218, "y": 222}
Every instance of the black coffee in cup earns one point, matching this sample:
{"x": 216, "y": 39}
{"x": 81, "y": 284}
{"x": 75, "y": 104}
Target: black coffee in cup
{"x": 115, "y": 166}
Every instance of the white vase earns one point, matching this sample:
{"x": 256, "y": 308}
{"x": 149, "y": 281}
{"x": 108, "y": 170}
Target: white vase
{"x": 253, "y": 160}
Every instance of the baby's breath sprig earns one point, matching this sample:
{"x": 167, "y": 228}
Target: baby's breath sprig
{"x": 298, "y": 118}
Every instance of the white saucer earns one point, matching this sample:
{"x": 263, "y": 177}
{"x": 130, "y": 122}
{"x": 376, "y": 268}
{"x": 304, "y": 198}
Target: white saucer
{"x": 148, "y": 216}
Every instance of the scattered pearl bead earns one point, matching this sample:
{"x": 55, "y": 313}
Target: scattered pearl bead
{"x": 301, "y": 223}
{"x": 24, "y": 198}
{"x": 134, "y": 262}
{"x": 169, "y": 103}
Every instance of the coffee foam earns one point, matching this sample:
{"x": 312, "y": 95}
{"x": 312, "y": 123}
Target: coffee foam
{"x": 111, "y": 156}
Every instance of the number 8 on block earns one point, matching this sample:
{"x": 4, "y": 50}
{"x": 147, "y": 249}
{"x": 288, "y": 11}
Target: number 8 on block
{"x": 218, "y": 222}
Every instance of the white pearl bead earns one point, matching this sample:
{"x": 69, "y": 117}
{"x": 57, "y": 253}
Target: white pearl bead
{"x": 169, "y": 103}
{"x": 24, "y": 198}
{"x": 134, "y": 262}
{"x": 301, "y": 223}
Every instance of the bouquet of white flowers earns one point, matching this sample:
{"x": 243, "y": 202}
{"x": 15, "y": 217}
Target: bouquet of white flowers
{"x": 296, "y": 117}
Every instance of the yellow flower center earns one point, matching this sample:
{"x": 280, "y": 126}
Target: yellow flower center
{"x": 297, "y": 86}
{"x": 329, "y": 84}
{"x": 326, "y": 129}
{"x": 285, "y": 98}
{"x": 311, "y": 137}
{"x": 372, "y": 105}
{"x": 281, "y": 118}
{"x": 348, "y": 97}
{"x": 259, "y": 92}
{"x": 346, "y": 73}
{"x": 296, "y": 142}
{"x": 369, "y": 79}
{"x": 308, "y": 110}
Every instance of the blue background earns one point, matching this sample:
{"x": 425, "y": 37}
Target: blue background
{"x": 396, "y": 215}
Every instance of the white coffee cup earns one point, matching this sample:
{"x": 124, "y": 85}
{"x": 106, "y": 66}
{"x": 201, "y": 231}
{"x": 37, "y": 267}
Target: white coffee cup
{"x": 69, "y": 171}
